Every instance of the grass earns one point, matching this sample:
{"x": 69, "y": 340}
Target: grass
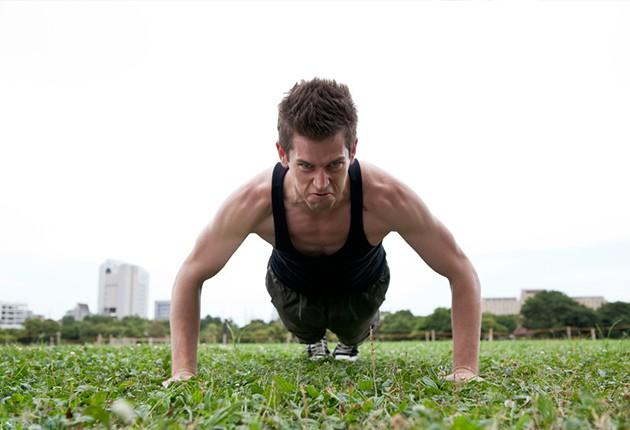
{"x": 528, "y": 384}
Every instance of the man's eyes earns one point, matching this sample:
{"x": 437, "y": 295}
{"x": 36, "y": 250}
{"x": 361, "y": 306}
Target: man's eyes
{"x": 336, "y": 164}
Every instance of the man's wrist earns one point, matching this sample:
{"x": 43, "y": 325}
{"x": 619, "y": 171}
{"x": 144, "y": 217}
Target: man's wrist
{"x": 460, "y": 368}
{"x": 184, "y": 371}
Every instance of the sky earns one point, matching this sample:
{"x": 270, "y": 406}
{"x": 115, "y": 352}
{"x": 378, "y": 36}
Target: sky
{"x": 124, "y": 126}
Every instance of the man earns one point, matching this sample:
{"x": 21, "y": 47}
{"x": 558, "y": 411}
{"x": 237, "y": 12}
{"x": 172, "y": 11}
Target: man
{"x": 325, "y": 215}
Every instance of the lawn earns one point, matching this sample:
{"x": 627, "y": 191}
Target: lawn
{"x": 528, "y": 384}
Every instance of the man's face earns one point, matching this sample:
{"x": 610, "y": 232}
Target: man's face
{"x": 320, "y": 169}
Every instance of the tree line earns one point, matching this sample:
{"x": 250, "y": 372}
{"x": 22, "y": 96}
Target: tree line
{"x": 546, "y": 310}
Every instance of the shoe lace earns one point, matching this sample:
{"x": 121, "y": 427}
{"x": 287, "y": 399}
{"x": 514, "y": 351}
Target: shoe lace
{"x": 319, "y": 348}
{"x": 344, "y": 349}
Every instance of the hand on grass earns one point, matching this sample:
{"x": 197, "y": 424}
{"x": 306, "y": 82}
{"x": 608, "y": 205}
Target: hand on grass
{"x": 182, "y": 375}
{"x": 461, "y": 375}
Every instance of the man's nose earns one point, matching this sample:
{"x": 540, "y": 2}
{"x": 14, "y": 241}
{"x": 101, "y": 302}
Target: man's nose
{"x": 321, "y": 180}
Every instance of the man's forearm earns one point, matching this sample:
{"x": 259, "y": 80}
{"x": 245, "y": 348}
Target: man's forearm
{"x": 184, "y": 325}
{"x": 466, "y": 319}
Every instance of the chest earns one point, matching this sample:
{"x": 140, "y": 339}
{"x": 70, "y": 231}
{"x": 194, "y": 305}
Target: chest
{"x": 318, "y": 234}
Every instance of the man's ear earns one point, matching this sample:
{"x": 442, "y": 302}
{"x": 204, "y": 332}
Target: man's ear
{"x": 353, "y": 150}
{"x": 282, "y": 154}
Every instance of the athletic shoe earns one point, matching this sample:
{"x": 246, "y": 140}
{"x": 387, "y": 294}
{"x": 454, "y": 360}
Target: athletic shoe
{"x": 318, "y": 350}
{"x": 346, "y": 352}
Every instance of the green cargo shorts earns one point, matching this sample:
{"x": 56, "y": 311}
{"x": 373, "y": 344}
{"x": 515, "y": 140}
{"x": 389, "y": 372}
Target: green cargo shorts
{"x": 349, "y": 316}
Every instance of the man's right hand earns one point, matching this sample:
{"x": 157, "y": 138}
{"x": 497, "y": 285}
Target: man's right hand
{"x": 183, "y": 375}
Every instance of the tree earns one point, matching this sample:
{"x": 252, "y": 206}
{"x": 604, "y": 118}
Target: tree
{"x": 9, "y": 335}
{"x": 614, "y": 313}
{"x": 99, "y": 319}
{"x": 134, "y": 326}
{"x": 158, "y": 328}
{"x": 70, "y": 329}
{"x": 489, "y": 321}
{"x": 510, "y": 322}
{"x": 581, "y": 316}
{"x": 553, "y": 309}
{"x": 36, "y": 330}
{"x": 401, "y": 322}
{"x": 439, "y": 320}
{"x": 209, "y": 320}
{"x": 211, "y": 332}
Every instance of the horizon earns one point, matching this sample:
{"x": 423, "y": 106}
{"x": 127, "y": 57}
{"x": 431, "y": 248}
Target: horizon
{"x": 568, "y": 259}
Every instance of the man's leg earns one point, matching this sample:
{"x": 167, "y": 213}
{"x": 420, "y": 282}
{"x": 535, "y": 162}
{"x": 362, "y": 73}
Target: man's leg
{"x": 350, "y": 317}
{"x": 303, "y": 316}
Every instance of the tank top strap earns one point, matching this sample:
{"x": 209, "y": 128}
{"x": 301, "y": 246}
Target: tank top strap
{"x": 357, "y": 233}
{"x": 281, "y": 228}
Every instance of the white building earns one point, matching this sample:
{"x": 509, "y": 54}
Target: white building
{"x": 80, "y": 311}
{"x": 13, "y": 315}
{"x": 501, "y": 305}
{"x": 593, "y": 302}
{"x": 162, "y": 310}
{"x": 123, "y": 290}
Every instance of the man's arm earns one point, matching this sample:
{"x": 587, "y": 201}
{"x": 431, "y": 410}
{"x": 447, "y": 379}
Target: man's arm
{"x": 437, "y": 247}
{"x": 238, "y": 217}
{"x": 409, "y": 216}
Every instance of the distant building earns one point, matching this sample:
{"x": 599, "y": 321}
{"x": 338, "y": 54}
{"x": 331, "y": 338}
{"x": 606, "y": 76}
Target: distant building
{"x": 594, "y": 302}
{"x": 123, "y": 290}
{"x": 80, "y": 311}
{"x": 511, "y": 306}
{"x": 13, "y": 315}
{"x": 501, "y": 306}
{"x": 162, "y": 310}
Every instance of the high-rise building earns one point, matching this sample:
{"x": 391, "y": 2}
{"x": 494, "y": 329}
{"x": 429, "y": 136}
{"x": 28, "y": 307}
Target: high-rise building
{"x": 123, "y": 290}
{"x": 162, "y": 310}
{"x": 80, "y": 311}
{"x": 13, "y": 315}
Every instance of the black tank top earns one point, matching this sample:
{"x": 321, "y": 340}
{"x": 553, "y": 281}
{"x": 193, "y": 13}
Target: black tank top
{"x": 356, "y": 266}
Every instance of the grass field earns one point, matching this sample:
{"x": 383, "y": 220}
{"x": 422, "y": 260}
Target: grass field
{"x": 528, "y": 384}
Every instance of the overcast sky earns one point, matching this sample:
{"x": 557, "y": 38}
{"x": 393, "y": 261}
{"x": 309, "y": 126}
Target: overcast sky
{"x": 123, "y": 126}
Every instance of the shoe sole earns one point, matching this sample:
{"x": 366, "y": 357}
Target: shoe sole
{"x": 318, "y": 358}
{"x": 346, "y": 358}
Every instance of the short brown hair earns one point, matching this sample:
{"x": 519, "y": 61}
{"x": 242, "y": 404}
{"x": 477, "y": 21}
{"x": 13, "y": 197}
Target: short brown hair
{"x": 317, "y": 109}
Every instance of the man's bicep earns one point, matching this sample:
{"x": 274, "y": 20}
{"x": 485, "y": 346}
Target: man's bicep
{"x": 217, "y": 242}
{"x": 431, "y": 240}
{"x": 437, "y": 247}
{"x": 211, "y": 252}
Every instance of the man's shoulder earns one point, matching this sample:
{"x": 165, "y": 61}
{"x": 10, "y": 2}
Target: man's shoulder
{"x": 388, "y": 199}
{"x": 379, "y": 184}
{"x": 254, "y": 196}
{"x": 259, "y": 186}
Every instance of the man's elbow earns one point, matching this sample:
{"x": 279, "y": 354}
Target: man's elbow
{"x": 190, "y": 276}
{"x": 464, "y": 277}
